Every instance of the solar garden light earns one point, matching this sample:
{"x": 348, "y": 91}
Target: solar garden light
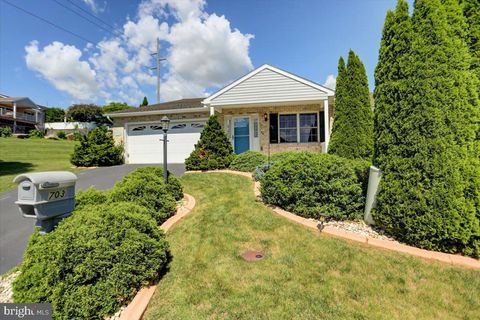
{"x": 323, "y": 217}
{"x": 165, "y": 123}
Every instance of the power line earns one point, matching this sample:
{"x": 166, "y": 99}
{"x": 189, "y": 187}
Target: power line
{"x": 49, "y": 22}
{"x": 83, "y": 17}
{"x": 92, "y": 15}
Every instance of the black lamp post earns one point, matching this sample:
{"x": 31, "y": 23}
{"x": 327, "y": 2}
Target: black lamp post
{"x": 165, "y": 123}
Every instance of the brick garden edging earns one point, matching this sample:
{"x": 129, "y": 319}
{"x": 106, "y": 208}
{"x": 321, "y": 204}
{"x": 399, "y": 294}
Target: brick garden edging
{"x": 453, "y": 259}
{"x": 136, "y": 308}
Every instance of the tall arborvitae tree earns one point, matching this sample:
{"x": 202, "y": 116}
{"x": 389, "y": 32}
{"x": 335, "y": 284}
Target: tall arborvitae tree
{"x": 352, "y": 132}
{"x": 471, "y": 11}
{"x": 430, "y": 188}
{"x": 390, "y": 83}
{"x": 213, "y": 150}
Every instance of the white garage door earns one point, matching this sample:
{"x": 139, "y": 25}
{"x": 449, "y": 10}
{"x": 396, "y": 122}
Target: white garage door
{"x": 144, "y": 144}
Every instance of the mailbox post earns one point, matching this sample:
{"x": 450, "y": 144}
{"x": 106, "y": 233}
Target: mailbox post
{"x": 46, "y": 196}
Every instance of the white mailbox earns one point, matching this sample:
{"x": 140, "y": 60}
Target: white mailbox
{"x": 47, "y": 196}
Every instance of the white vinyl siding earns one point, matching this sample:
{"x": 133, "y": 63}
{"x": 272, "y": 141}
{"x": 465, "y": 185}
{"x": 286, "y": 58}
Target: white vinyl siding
{"x": 268, "y": 86}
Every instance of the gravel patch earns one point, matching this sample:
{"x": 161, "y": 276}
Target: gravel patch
{"x": 361, "y": 228}
{"x": 6, "y": 290}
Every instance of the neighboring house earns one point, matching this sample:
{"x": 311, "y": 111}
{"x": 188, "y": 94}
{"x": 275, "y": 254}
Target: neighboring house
{"x": 52, "y": 128}
{"x": 267, "y": 110}
{"x": 21, "y": 114}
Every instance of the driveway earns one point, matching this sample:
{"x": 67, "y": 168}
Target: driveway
{"x": 15, "y": 230}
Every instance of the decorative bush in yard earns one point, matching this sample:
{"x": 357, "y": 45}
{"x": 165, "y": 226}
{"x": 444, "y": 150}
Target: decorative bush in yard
{"x": 174, "y": 186}
{"x": 90, "y": 196}
{"x": 309, "y": 184}
{"x": 61, "y": 135}
{"x": 35, "y": 134}
{"x": 94, "y": 262}
{"x": 5, "y": 132}
{"x": 213, "y": 150}
{"x": 248, "y": 161}
{"x": 97, "y": 149}
{"x": 427, "y": 130}
{"x": 148, "y": 190}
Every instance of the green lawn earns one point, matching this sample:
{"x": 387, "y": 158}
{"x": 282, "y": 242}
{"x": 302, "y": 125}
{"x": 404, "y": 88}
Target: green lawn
{"x": 22, "y": 155}
{"x": 304, "y": 275}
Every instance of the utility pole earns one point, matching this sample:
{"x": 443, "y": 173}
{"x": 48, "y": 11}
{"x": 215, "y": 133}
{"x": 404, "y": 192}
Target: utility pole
{"x": 159, "y": 59}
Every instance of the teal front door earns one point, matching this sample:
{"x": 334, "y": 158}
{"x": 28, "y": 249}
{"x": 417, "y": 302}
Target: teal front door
{"x": 241, "y": 134}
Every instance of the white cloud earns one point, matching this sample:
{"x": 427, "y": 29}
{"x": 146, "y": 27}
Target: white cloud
{"x": 330, "y": 82}
{"x": 94, "y": 6}
{"x": 61, "y": 65}
{"x": 202, "y": 51}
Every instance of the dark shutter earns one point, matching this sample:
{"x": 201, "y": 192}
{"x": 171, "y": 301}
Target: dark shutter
{"x": 273, "y": 127}
{"x": 322, "y": 126}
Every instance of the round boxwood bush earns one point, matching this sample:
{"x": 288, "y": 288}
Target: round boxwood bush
{"x": 93, "y": 262}
{"x": 90, "y": 196}
{"x": 148, "y": 190}
{"x": 173, "y": 186}
{"x": 309, "y": 184}
{"x": 248, "y": 161}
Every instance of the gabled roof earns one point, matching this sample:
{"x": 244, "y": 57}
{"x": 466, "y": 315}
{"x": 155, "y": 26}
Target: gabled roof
{"x": 19, "y": 101}
{"x": 324, "y": 90}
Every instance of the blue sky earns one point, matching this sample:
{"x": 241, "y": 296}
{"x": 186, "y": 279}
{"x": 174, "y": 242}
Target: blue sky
{"x": 207, "y": 44}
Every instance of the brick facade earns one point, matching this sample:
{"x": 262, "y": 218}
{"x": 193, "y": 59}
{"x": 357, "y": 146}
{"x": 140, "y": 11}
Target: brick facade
{"x": 264, "y": 125}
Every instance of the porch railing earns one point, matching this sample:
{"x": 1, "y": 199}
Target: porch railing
{"x": 8, "y": 113}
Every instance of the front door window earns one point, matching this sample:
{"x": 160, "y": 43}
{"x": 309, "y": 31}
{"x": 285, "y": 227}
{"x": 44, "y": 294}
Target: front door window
{"x": 241, "y": 134}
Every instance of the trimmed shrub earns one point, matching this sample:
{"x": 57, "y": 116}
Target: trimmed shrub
{"x": 248, "y": 161}
{"x": 309, "y": 184}
{"x": 93, "y": 262}
{"x": 35, "y": 134}
{"x": 5, "y": 132}
{"x": 61, "y": 135}
{"x": 77, "y": 136}
{"x": 213, "y": 150}
{"x": 97, "y": 149}
{"x": 90, "y": 196}
{"x": 148, "y": 190}
{"x": 174, "y": 186}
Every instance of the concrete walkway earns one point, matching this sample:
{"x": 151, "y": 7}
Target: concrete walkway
{"x": 15, "y": 230}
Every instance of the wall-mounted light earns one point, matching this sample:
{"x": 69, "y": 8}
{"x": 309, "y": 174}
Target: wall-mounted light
{"x": 265, "y": 116}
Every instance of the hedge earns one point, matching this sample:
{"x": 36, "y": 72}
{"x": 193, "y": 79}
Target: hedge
{"x": 173, "y": 186}
{"x": 146, "y": 189}
{"x": 93, "y": 262}
{"x": 309, "y": 184}
{"x": 90, "y": 196}
{"x": 248, "y": 161}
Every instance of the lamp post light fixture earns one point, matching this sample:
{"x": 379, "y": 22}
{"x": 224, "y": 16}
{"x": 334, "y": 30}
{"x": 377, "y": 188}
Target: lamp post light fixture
{"x": 165, "y": 123}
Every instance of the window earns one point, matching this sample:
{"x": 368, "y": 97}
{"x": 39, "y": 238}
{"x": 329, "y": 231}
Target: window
{"x": 308, "y": 127}
{"x": 288, "y": 128}
{"x": 197, "y": 125}
{"x": 179, "y": 126}
{"x": 155, "y": 128}
{"x": 140, "y": 128}
{"x": 298, "y": 127}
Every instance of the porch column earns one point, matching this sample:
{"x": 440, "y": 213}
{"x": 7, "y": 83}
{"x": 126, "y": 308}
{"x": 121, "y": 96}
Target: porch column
{"x": 36, "y": 116}
{"x": 327, "y": 124}
{"x": 212, "y": 111}
{"x": 14, "y": 117}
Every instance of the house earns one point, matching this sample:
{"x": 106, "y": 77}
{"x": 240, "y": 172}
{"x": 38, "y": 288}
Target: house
{"x": 21, "y": 114}
{"x": 267, "y": 110}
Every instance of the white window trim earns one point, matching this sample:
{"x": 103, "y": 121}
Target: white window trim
{"x": 298, "y": 127}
